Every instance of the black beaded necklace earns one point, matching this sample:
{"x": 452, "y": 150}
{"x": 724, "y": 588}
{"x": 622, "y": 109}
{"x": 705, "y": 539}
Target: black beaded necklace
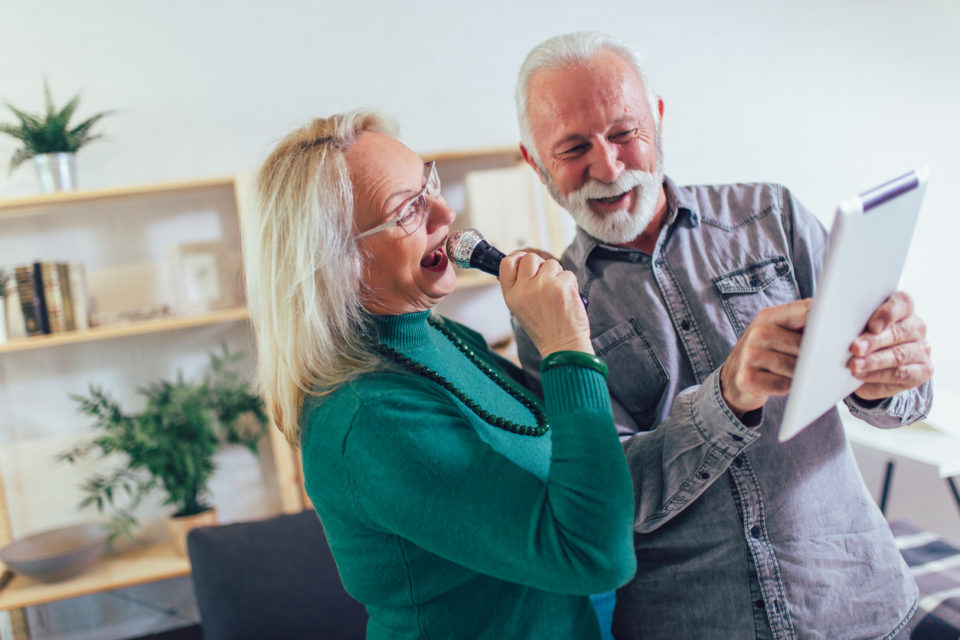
{"x": 428, "y": 373}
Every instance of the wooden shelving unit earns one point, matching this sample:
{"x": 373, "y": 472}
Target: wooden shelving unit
{"x": 139, "y": 565}
{"x": 159, "y": 561}
{"x": 27, "y": 205}
{"x": 171, "y": 323}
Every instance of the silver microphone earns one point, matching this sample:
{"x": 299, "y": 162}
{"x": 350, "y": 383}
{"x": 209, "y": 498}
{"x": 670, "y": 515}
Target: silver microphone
{"x": 469, "y": 250}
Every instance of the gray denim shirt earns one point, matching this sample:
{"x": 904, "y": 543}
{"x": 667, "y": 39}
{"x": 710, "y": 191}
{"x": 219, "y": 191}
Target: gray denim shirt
{"x": 737, "y": 535}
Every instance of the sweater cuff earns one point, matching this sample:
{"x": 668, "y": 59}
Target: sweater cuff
{"x": 569, "y": 387}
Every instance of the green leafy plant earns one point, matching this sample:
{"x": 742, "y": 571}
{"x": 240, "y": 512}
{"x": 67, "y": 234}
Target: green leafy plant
{"x": 49, "y": 132}
{"x": 170, "y": 444}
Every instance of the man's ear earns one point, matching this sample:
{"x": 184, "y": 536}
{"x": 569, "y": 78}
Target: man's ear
{"x": 528, "y": 158}
{"x": 660, "y": 109}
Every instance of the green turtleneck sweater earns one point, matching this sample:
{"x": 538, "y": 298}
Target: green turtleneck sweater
{"x": 447, "y": 527}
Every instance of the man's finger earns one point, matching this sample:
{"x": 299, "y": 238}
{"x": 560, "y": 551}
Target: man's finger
{"x": 775, "y": 338}
{"x": 891, "y": 357}
{"x": 899, "y": 378}
{"x": 792, "y": 315}
{"x": 895, "y": 308}
{"x": 911, "y": 329}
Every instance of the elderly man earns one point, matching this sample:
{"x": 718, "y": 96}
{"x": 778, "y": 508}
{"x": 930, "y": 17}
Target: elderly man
{"x": 697, "y": 298}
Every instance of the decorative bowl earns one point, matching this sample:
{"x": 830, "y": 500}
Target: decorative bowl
{"x": 56, "y": 554}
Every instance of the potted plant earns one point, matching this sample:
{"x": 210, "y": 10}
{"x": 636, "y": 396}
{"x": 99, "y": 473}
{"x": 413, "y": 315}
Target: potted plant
{"x": 49, "y": 139}
{"x": 169, "y": 445}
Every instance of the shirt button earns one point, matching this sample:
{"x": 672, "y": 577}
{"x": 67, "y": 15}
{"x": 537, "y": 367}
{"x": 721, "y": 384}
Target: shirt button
{"x": 758, "y": 604}
{"x": 704, "y": 475}
{"x": 738, "y": 462}
{"x": 754, "y": 282}
{"x": 755, "y": 531}
{"x": 685, "y": 324}
{"x": 659, "y": 262}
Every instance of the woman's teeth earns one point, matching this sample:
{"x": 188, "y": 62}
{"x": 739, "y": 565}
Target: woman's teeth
{"x": 432, "y": 260}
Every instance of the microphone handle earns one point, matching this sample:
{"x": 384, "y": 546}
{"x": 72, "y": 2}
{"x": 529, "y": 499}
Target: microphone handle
{"x": 487, "y": 258}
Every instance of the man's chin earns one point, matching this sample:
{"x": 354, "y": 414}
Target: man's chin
{"x": 621, "y": 229}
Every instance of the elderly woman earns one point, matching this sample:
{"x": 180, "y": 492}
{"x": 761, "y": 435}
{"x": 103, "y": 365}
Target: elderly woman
{"x": 456, "y": 503}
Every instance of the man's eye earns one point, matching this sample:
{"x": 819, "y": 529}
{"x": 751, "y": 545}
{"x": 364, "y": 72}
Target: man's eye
{"x": 573, "y": 152}
{"x": 624, "y": 136}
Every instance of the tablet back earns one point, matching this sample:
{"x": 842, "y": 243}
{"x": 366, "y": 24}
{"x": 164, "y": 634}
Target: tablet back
{"x": 868, "y": 247}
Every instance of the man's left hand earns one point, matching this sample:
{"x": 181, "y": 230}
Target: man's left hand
{"x": 892, "y": 355}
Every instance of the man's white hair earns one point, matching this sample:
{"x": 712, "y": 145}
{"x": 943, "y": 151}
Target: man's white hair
{"x": 568, "y": 50}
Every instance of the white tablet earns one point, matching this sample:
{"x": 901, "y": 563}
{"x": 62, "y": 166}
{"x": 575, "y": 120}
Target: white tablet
{"x": 868, "y": 247}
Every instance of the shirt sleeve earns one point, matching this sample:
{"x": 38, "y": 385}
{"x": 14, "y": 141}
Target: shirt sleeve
{"x": 436, "y": 483}
{"x": 673, "y": 464}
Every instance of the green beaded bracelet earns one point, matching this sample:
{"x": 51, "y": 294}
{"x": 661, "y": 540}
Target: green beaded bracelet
{"x": 576, "y": 358}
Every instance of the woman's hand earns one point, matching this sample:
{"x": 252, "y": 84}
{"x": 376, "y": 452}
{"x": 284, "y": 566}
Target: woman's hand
{"x": 546, "y": 301}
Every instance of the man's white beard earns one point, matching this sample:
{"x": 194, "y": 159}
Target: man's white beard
{"x": 620, "y": 226}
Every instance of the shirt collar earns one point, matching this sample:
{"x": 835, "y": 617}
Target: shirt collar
{"x": 680, "y": 206}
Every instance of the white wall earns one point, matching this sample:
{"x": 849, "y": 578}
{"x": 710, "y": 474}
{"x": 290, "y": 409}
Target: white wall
{"x": 829, "y": 97}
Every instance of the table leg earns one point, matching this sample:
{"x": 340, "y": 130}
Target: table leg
{"x": 953, "y": 489}
{"x": 885, "y": 493}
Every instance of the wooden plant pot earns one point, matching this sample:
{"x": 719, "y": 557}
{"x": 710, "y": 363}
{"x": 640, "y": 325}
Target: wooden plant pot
{"x": 180, "y": 526}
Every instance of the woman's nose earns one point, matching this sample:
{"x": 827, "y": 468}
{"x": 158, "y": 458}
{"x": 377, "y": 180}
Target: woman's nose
{"x": 439, "y": 213}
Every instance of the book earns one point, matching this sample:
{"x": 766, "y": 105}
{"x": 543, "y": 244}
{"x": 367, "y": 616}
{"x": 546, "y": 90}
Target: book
{"x": 63, "y": 275}
{"x": 32, "y": 301}
{"x": 53, "y": 296}
{"x": 79, "y": 297}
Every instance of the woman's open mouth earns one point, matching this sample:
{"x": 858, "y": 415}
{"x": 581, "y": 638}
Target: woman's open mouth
{"x": 436, "y": 260}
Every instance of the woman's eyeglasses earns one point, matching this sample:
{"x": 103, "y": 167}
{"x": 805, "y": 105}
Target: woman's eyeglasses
{"x": 414, "y": 211}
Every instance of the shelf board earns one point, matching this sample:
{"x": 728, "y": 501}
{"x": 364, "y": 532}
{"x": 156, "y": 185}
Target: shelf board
{"x": 170, "y": 323}
{"x": 12, "y": 207}
{"x": 470, "y": 278}
{"x": 139, "y": 565}
{"x": 472, "y": 154}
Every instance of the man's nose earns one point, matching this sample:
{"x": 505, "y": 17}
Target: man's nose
{"x": 605, "y": 163}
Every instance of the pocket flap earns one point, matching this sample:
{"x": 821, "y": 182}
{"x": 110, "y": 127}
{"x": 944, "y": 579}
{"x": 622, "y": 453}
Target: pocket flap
{"x": 752, "y": 278}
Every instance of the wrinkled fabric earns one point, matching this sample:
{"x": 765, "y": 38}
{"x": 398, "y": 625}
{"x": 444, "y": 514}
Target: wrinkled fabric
{"x": 737, "y": 535}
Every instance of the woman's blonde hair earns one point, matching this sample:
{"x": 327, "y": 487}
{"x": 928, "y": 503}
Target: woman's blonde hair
{"x": 303, "y": 269}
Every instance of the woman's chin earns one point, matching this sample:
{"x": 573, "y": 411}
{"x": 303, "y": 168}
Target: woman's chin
{"x": 442, "y": 279}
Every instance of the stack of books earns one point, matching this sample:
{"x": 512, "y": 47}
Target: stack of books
{"x": 52, "y": 297}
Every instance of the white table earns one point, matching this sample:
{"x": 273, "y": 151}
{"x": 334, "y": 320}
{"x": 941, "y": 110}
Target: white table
{"x": 934, "y": 441}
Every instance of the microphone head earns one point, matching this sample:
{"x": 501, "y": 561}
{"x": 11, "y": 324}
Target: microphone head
{"x": 460, "y": 246}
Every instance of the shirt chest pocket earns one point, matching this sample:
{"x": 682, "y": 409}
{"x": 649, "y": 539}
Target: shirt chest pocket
{"x": 747, "y": 290}
{"x": 637, "y": 379}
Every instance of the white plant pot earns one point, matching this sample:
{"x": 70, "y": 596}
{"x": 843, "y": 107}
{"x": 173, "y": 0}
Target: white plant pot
{"x": 56, "y": 171}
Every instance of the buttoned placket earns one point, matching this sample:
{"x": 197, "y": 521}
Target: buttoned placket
{"x": 770, "y": 611}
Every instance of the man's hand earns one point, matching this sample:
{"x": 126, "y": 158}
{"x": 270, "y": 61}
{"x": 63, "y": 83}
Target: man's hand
{"x": 761, "y": 363}
{"x": 892, "y": 355}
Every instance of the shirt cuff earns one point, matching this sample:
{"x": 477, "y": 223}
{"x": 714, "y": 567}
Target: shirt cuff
{"x": 718, "y": 424}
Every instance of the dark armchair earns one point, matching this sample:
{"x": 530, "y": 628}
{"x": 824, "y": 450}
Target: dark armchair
{"x": 271, "y": 578}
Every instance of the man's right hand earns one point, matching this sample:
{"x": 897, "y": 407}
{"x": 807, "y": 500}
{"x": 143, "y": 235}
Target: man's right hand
{"x": 761, "y": 364}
